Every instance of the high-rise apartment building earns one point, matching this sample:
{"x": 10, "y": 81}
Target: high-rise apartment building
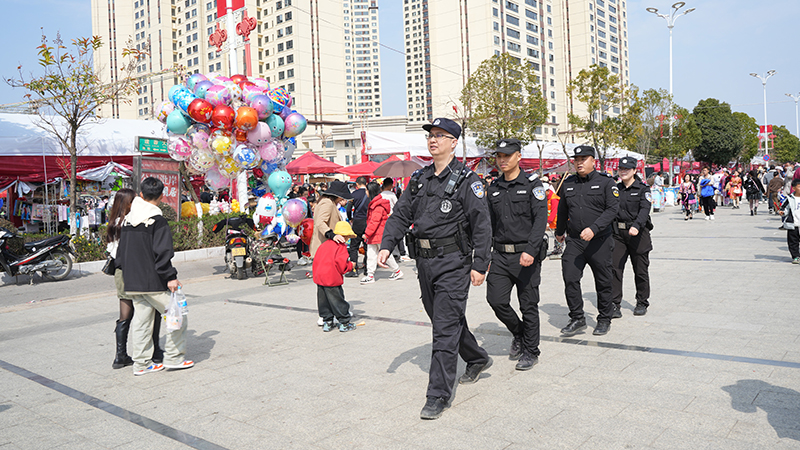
{"x": 446, "y": 40}
{"x": 325, "y": 53}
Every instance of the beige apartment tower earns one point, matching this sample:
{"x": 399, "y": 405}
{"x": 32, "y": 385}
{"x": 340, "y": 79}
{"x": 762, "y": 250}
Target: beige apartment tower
{"x": 324, "y": 52}
{"x": 446, "y": 40}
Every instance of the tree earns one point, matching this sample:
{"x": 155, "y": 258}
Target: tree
{"x": 655, "y": 109}
{"x": 686, "y": 135}
{"x": 504, "y": 100}
{"x": 722, "y": 139}
{"x": 787, "y": 145}
{"x": 599, "y": 91}
{"x": 748, "y": 128}
{"x": 69, "y": 92}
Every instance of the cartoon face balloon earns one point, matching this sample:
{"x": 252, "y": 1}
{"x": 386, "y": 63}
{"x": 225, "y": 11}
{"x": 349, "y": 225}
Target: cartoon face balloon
{"x": 262, "y": 104}
{"x": 260, "y": 135}
{"x": 280, "y": 182}
{"x": 246, "y": 118}
{"x": 275, "y": 125}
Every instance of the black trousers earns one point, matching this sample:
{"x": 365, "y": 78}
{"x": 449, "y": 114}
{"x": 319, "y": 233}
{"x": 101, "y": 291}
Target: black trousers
{"x": 355, "y": 243}
{"x": 708, "y": 205}
{"x": 331, "y": 302}
{"x": 444, "y": 282}
{"x": 505, "y": 274}
{"x": 639, "y": 252}
{"x": 597, "y": 253}
{"x": 793, "y": 241}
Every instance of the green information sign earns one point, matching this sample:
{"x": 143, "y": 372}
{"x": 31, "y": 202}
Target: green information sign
{"x": 152, "y": 145}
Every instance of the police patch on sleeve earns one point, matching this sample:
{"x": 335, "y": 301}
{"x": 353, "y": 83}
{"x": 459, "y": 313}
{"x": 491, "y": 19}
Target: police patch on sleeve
{"x": 538, "y": 192}
{"x": 615, "y": 191}
{"x": 477, "y": 189}
{"x": 648, "y": 197}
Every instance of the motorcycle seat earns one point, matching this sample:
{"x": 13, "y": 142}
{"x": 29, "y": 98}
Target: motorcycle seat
{"x": 46, "y": 242}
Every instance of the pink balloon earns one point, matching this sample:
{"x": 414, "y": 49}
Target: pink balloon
{"x": 260, "y": 135}
{"x": 294, "y": 211}
{"x": 268, "y": 152}
{"x": 215, "y": 180}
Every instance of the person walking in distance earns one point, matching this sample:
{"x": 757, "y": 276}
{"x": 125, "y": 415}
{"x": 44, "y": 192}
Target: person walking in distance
{"x": 379, "y": 208}
{"x": 357, "y": 215}
{"x": 632, "y": 237}
{"x": 518, "y": 208}
{"x": 705, "y": 186}
{"x": 450, "y": 240}
{"x": 589, "y": 203}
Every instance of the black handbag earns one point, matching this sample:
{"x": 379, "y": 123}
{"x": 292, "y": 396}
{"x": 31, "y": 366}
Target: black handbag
{"x": 110, "y": 266}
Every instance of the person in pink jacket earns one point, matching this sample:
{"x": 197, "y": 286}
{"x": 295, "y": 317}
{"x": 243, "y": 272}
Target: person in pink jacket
{"x": 377, "y": 213}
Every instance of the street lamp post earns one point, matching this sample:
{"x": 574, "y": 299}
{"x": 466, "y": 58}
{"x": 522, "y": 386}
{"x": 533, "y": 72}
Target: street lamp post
{"x": 764, "y": 83}
{"x": 796, "y": 120}
{"x": 671, "y": 18}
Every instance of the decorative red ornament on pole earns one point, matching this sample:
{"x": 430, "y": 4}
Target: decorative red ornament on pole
{"x": 243, "y": 29}
{"x": 218, "y": 37}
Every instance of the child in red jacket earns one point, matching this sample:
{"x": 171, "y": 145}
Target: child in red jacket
{"x": 331, "y": 262}
{"x": 377, "y": 214}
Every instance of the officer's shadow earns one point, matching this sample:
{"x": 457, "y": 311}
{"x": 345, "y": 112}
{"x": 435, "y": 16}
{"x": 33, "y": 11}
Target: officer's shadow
{"x": 782, "y": 405}
{"x": 558, "y": 314}
{"x": 419, "y": 356}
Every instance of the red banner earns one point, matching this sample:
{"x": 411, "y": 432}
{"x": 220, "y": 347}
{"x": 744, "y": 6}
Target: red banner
{"x": 171, "y": 180}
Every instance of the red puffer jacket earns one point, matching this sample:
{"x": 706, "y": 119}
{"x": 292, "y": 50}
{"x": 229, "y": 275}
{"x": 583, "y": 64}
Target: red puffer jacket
{"x": 331, "y": 262}
{"x": 377, "y": 214}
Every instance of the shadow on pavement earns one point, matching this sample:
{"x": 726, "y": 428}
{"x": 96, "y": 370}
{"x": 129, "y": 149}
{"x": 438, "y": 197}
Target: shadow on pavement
{"x": 4, "y": 407}
{"x": 200, "y": 345}
{"x": 781, "y": 258}
{"x": 419, "y": 356}
{"x": 782, "y": 405}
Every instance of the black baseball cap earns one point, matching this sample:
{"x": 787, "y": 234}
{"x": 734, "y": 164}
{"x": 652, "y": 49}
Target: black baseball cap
{"x": 508, "y": 146}
{"x": 627, "y": 163}
{"x": 445, "y": 124}
{"x": 585, "y": 150}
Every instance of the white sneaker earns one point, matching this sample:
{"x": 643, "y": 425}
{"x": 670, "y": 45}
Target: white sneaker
{"x": 303, "y": 261}
{"x": 397, "y": 275}
{"x": 708, "y": 218}
{"x": 320, "y": 322}
{"x": 368, "y": 279}
{"x": 712, "y": 217}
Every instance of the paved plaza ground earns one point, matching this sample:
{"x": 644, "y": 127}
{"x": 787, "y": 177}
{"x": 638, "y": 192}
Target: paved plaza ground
{"x": 715, "y": 363}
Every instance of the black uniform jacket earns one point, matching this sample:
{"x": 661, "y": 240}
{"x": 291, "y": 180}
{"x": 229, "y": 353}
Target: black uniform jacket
{"x": 634, "y": 204}
{"x": 590, "y": 201}
{"x": 519, "y": 211}
{"x": 436, "y": 215}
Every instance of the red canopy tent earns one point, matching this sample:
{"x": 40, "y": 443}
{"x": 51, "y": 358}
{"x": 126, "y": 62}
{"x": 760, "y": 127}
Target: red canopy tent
{"x": 309, "y": 163}
{"x": 366, "y": 168}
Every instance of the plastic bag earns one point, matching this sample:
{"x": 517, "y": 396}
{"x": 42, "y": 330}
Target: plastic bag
{"x": 174, "y": 316}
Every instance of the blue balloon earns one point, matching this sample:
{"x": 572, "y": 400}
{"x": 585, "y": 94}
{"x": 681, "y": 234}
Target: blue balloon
{"x": 177, "y": 122}
{"x": 174, "y": 90}
{"x": 201, "y": 87}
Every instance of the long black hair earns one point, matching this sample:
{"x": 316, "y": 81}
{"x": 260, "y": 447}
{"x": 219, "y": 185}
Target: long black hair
{"x": 120, "y": 209}
{"x": 373, "y": 189}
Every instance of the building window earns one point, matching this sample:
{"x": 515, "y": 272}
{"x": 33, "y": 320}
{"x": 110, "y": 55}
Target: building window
{"x": 512, "y": 20}
{"x": 531, "y": 15}
{"x": 512, "y": 33}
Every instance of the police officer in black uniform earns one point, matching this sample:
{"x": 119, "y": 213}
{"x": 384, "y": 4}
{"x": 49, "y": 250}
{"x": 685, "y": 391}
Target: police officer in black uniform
{"x": 589, "y": 203}
{"x": 632, "y": 237}
{"x": 450, "y": 240}
{"x": 518, "y": 207}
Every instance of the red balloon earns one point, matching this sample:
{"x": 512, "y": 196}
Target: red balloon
{"x": 258, "y": 173}
{"x": 246, "y": 118}
{"x": 240, "y": 135}
{"x": 200, "y": 110}
{"x": 305, "y": 230}
{"x": 238, "y": 78}
{"x": 246, "y": 83}
{"x": 223, "y": 116}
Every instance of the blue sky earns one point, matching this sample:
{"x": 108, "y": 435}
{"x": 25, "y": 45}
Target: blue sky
{"x": 715, "y": 49}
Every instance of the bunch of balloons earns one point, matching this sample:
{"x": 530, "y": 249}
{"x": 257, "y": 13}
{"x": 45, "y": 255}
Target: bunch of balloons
{"x": 221, "y": 126}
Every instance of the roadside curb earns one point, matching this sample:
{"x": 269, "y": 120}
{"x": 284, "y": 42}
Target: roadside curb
{"x": 187, "y": 255}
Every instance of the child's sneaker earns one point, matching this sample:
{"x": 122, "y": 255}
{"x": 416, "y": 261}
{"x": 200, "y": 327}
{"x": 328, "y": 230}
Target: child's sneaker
{"x": 320, "y": 322}
{"x": 368, "y": 279}
{"x": 328, "y": 326}
{"x": 345, "y": 327}
{"x": 397, "y": 275}
{"x": 405, "y": 258}
{"x": 151, "y": 368}
{"x": 796, "y": 261}
{"x": 184, "y": 365}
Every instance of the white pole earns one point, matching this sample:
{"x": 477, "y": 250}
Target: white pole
{"x": 796, "y": 121}
{"x": 231, "y": 33}
{"x": 766, "y": 124}
{"x": 670, "y": 69}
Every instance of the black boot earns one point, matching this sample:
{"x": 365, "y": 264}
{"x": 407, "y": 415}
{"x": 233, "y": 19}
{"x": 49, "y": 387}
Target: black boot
{"x": 158, "y": 352}
{"x": 122, "y": 359}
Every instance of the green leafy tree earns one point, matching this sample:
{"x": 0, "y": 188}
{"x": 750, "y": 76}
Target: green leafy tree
{"x": 787, "y": 145}
{"x": 748, "y": 129}
{"x": 69, "y": 92}
{"x": 504, "y": 100}
{"x": 654, "y": 107}
{"x": 722, "y": 140}
{"x": 600, "y": 92}
{"x": 686, "y": 135}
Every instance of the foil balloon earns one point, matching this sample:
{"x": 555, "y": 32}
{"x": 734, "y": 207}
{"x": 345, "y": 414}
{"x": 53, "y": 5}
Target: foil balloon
{"x": 305, "y": 230}
{"x": 174, "y": 90}
{"x": 249, "y": 91}
{"x": 285, "y": 112}
{"x": 294, "y": 125}
{"x": 280, "y": 97}
{"x": 262, "y": 104}
{"x": 201, "y": 161}
{"x": 266, "y": 208}
{"x": 215, "y": 180}
{"x": 268, "y": 152}
{"x": 198, "y": 135}
{"x": 238, "y": 78}
{"x": 177, "y": 122}
{"x": 280, "y": 182}
{"x": 268, "y": 167}
{"x": 234, "y": 89}
{"x": 292, "y": 238}
{"x": 223, "y": 117}
{"x": 220, "y": 142}
{"x": 213, "y": 76}
{"x": 275, "y": 124}
{"x": 260, "y": 135}
{"x": 221, "y": 79}
{"x": 192, "y": 81}
{"x": 184, "y": 98}
{"x": 240, "y": 135}
{"x": 246, "y": 118}
{"x": 201, "y": 88}
{"x": 246, "y": 157}
{"x": 200, "y": 110}
{"x": 179, "y": 148}
{"x": 166, "y": 107}
{"x": 218, "y": 95}
{"x": 261, "y": 82}
{"x": 294, "y": 211}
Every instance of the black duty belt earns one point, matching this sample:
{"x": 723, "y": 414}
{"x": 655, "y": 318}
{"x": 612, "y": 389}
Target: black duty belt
{"x": 510, "y": 248}
{"x": 624, "y": 225}
{"x": 432, "y": 248}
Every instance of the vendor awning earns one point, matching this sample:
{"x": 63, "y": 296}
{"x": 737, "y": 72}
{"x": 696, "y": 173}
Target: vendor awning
{"x": 310, "y": 163}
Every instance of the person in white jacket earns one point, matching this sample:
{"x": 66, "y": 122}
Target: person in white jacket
{"x": 790, "y": 209}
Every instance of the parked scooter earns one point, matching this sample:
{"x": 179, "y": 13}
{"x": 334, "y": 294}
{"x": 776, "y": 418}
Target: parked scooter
{"x": 52, "y": 257}
{"x": 237, "y": 244}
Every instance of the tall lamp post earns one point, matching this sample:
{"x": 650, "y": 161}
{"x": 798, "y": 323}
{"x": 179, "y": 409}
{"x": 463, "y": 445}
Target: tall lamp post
{"x": 796, "y": 120}
{"x": 671, "y": 18}
{"x": 764, "y": 83}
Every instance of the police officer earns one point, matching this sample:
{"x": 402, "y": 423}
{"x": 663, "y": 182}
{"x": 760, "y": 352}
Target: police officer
{"x": 450, "y": 240}
{"x": 632, "y": 237}
{"x": 518, "y": 207}
{"x": 589, "y": 203}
